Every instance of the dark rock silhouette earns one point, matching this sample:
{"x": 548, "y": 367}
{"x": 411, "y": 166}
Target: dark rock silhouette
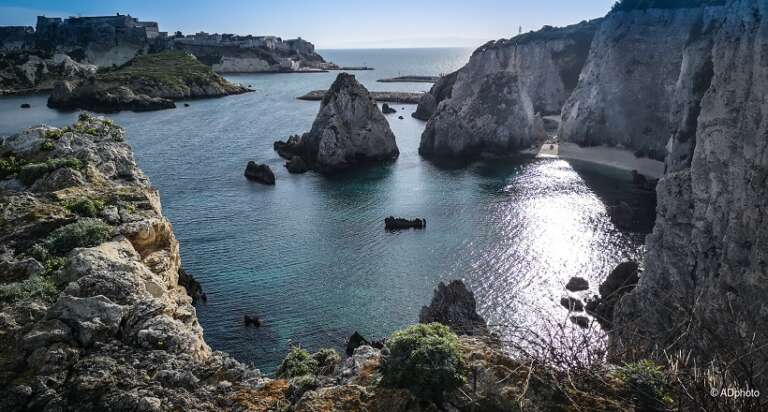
{"x": 453, "y": 305}
{"x": 260, "y": 173}
{"x": 398, "y": 223}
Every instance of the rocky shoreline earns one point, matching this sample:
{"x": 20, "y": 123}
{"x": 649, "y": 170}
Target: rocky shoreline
{"x": 410, "y": 79}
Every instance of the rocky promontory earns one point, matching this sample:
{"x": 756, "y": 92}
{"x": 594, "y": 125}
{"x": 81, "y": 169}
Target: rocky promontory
{"x": 349, "y": 130}
{"x": 496, "y": 102}
{"x": 29, "y": 71}
{"x": 92, "y": 313}
{"x": 148, "y": 82}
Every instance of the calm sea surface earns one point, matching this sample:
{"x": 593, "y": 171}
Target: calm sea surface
{"x": 311, "y": 256}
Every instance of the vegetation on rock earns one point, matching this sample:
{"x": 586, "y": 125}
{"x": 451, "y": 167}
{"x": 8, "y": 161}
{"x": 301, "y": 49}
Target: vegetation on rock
{"x": 29, "y": 173}
{"x": 298, "y": 362}
{"x": 85, "y": 232}
{"x": 425, "y": 359}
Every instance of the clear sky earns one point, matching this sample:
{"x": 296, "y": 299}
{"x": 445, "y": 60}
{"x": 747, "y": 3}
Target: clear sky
{"x": 330, "y": 23}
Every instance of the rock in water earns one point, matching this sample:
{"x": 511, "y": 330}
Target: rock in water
{"x": 577, "y": 284}
{"x": 454, "y": 306}
{"x": 495, "y": 103}
{"x": 398, "y": 223}
{"x": 193, "y": 287}
{"x": 619, "y": 282}
{"x": 386, "y": 109}
{"x": 355, "y": 341}
{"x": 260, "y": 173}
{"x": 349, "y": 130}
{"x": 25, "y": 106}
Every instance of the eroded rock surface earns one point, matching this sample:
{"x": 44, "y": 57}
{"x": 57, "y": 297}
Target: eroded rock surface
{"x": 496, "y": 102}
{"x": 454, "y": 306}
{"x": 349, "y": 130}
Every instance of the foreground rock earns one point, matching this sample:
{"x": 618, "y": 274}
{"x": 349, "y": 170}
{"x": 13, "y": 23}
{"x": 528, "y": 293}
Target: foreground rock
{"x": 454, "y": 305}
{"x": 495, "y": 103}
{"x": 94, "y": 316}
{"x": 349, "y": 131}
{"x": 398, "y": 223}
{"x": 150, "y": 82}
{"x": 259, "y": 173}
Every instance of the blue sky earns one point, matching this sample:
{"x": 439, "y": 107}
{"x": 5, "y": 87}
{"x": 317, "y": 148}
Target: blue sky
{"x": 333, "y": 24}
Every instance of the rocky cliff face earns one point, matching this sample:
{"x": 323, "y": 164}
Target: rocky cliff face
{"x": 625, "y": 93}
{"x": 349, "y": 130}
{"x": 29, "y": 71}
{"x": 494, "y": 103}
{"x": 704, "y": 285}
{"x": 92, "y": 315}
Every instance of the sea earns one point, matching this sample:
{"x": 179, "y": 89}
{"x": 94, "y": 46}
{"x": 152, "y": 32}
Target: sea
{"x": 310, "y": 255}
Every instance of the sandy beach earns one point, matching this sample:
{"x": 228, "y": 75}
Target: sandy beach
{"x": 608, "y": 156}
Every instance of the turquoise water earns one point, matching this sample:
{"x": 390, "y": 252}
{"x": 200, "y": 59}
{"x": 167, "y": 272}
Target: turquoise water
{"x": 310, "y": 255}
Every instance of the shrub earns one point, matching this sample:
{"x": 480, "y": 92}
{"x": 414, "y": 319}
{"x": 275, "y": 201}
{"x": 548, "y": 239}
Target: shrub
{"x": 54, "y": 134}
{"x": 29, "y": 173}
{"x": 83, "y": 233}
{"x": 86, "y": 207}
{"x": 34, "y": 287}
{"x": 297, "y": 363}
{"x": 300, "y": 385}
{"x": 327, "y": 361}
{"x": 646, "y": 384}
{"x": 9, "y": 167}
{"x": 47, "y": 146}
{"x": 424, "y": 359}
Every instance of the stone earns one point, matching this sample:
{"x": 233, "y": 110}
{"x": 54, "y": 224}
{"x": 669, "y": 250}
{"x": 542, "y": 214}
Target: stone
{"x": 400, "y": 117}
{"x": 355, "y": 341}
{"x": 192, "y": 286}
{"x": 90, "y": 318}
{"x": 621, "y": 281}
{"x": 398, "y": 223}
{"x": 349, "y": 131}
{"x": 249, "y": 320}
{"x": 386, "y": 109}
{"x": 580, "y": 321}
{"x": 577, "y": 284}
{"x": 25, "y": 106}
{"x": 453, "y": 305}
{"x": 259, "y": 173}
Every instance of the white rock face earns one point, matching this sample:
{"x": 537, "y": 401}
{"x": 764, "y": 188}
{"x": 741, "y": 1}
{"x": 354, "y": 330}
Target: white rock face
{"x": 349, "y": 129}
{"x": 496, "y": 101}
{"x": 624, "y": 95}
{"x": 706, "y": 278}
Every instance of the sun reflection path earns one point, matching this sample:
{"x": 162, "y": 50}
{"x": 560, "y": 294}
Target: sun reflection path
{"x": 547, "y": 226}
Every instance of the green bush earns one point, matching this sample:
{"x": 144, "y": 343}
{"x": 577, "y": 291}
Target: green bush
{"x": 9, "y": 167}
{"x": 85, "y": 232}
{"x": 86, "y": 207}
{"x": 54, "y": 134}
{"x": 297, "y": 363}
{"x": 34, "y": 287}
{"x": 425, "y": 359}
{"x": 29, "y": 173}
{"x": 646, "y": 385}
{"x": 300, "y": 385}
{"x": 327, "y": 361}
{"x": 47, "y": 146}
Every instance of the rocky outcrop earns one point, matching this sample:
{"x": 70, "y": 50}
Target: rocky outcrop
{"x": 399, "y": 223}
{"x": 93, "y": 316}
{"x": 349, "y": 130}
{"x": 496, "y": 101}
{"x": 260, "y": 173}
{"x": 26, "y": 71}
{"x": 440, "y": 91}
{"x": 149, "y": 82}
{"x": 454, "y": 306}
{"x": 703, "y": 288}
{"x": 625, "y": 95}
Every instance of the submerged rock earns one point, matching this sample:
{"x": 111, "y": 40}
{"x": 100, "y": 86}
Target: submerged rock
{"x": 454, "y": 306}
{"x": 260, "y": 173}
{"x": 296, "y": 165}
{"x": 251, "y": 321}
{"x": 25, "y": 106}
{"x": 398, "y": 223}
{"x": 572, "y": 304}
{"x": 349, "y": 130}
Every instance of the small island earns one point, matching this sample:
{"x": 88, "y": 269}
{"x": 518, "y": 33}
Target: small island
{"x": 410, "y": 79}
{"x": 389, "y": 97}
{"x": 148, "y": 82}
